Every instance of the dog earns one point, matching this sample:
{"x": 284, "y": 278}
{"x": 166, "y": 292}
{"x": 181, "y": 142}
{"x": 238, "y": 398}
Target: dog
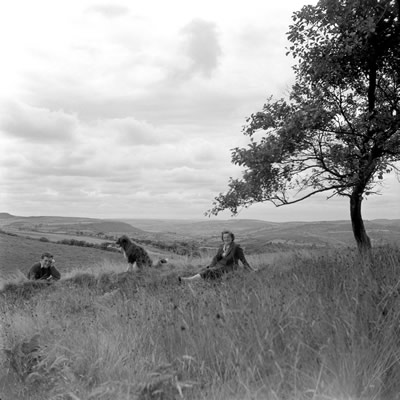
{"x": 136, "y": 254}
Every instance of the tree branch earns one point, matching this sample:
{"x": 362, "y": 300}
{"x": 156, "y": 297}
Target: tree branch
{"x": 334, "y": 187}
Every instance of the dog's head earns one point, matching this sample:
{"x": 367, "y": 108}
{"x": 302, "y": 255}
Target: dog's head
{"x": 123, "y": 241}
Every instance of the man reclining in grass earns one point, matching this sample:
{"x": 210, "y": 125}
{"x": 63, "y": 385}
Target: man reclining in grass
{"x": 44, "y": 269}
{"x": 227, "y": 259}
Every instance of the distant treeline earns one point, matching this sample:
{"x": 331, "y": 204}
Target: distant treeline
{"x": 181, "y": 248}
{"x": 82, "y": 243}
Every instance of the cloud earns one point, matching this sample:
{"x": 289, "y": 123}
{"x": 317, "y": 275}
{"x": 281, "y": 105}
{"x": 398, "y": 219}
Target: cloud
{"x": 110, "y": 155}
{"x": 109, "y": 10}
{"x": 195, "y": 105}
{"x": 201, "y": 46}
{"x": 37, "y": 124}
{"x": 131, "y": 132}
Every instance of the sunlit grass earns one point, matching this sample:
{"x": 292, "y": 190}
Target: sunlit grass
{"x": 14, "y": 278}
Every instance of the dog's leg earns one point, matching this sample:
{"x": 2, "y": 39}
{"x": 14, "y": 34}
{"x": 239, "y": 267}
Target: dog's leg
{"x": 132, "y": 267}
{"x": 161, "y": 262}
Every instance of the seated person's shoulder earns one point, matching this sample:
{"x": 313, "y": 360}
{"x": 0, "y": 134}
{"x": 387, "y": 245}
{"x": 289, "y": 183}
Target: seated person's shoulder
{"x": 35, "y": 267}
{"x": 33, "y": 270}
{"x": 238, "y": 247}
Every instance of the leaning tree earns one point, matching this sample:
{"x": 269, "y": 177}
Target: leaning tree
{"x": 339, "y": 130}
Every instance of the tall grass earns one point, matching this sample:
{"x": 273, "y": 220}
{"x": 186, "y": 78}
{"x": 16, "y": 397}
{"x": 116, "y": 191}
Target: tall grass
{"x": 310, "y": 326}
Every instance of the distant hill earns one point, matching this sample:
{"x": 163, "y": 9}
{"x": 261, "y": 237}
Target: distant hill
{"x": 66, "y": 225}
{"x": 255, "y": 235}
{"x": 6, "y": 216}
{"x": 100, "y": 226}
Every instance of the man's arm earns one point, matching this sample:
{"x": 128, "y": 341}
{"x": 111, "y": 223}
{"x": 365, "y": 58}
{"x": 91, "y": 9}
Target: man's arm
{"x": 216, "y": 258}
{"x": 55, "y": 273}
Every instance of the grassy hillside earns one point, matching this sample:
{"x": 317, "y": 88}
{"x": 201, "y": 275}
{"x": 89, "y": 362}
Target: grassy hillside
{"x": 19, "y": 253}
{"x": 58, "y": 228}
{"x": 319, "y": 327}
{"x": 6, "y": 219}
{"x": 255, "y": 235}
{"x": 5, "y": 216}
{"x": 96, "y": 231}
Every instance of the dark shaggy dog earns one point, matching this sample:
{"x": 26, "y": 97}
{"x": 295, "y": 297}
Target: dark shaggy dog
{"x": 135, "y": 254}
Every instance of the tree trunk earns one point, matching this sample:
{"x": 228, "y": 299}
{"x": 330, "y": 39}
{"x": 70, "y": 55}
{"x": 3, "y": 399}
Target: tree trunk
{"x": 359, "y": 232}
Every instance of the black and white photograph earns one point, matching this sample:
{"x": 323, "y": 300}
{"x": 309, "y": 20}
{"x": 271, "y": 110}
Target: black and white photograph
{"x": 200, "y": 200}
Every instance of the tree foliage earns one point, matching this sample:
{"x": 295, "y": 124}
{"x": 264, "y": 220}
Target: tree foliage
{"x": 339, "y": 130}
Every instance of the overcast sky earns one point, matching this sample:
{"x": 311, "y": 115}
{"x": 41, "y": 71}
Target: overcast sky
{"x": 131, "y": 108}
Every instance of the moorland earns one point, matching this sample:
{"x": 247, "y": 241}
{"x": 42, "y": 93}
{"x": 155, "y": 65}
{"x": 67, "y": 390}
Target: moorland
{"x": 316, "y": 321}
{"x": 249, "y": 230}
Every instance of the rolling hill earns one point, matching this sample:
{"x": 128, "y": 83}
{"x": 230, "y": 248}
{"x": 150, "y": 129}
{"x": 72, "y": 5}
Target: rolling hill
{"x": 255, "y": 235}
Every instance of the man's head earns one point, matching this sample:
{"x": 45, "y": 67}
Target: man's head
{"x": 46, "y": 260}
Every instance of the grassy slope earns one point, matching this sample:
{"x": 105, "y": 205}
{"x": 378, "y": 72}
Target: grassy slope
{"x": 318, "y": 329}
{"x": 58, "y": 228}
{"x": 18, "y": 254}
{"x": 254, "y": 234}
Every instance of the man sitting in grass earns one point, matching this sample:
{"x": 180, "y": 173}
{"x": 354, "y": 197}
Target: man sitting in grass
{"x": 44, "y": 269}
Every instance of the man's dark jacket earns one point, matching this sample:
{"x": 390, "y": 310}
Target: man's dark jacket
{"x": 37, "y": 272}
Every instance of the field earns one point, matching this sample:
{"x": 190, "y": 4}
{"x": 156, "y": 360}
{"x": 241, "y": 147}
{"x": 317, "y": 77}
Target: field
{"x": 19, "y": 254}
{"x": 311, "y": 323}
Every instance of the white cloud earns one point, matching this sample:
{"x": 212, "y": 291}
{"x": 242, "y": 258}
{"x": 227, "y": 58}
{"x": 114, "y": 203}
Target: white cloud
{"x": 37, "y": 124}
{"x": 131, "y": 132}
{"x": 109, "y": 10}
{"x": 202, "y": 46}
